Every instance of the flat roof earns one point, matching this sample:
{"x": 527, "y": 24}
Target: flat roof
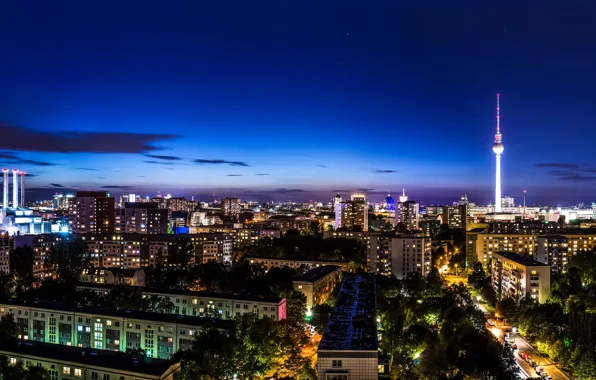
{"x": 521, "y": 259}
{"x": 300, "y": 260}
{"x": 131, "y": 314}
{"x": 353, "y": 322}
{"x": 230, "y": 296}
{"x": 88, "y": 356}
{"x": 317, "y": 273}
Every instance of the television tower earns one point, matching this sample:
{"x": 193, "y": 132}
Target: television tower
{"x": 498, "y": 150}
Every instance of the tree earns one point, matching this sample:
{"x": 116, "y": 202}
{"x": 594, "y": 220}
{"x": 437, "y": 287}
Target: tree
{"x": 19, "y": 372}
{"x": 508, "y": 309}
{"x": 180, "y": 253}
{"x": 67, "y": 259}
{"x": 478, "y": 277}
{"x": 488, "y": 294}
{"x": 157, "y": 304}
{"x": 21, "y": 261}
{"x": 320, "y": 316}
{"x": 138, "y": 352}
{"x": 8, "y": 327}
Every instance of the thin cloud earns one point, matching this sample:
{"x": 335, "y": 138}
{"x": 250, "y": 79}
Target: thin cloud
{"x": 203, "y": 161}
{"x": 56, "y": 185}
{"x": 284, "y": 190}
{"x": 116, "y": 187}
{"x": 558, "y": 165}
{"x": 30, "y": 140}
{"x": 364, "y": 190}
{"x": 234, "y": 175}
{"x": 157, "y": 162}
{"x": 38, "y": 163}
{"x": 384, "y": 171}
{"x": 101, "y": 177}
{"x": 87, "y": 169}
{"x": 167, "y": 158}
{"x": 322, "y": 166}
{"x": 262, "y": 174}
{"x": 578, "y": 178}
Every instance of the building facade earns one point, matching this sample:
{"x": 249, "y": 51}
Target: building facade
{"x": 318, "y": 283}
{"x": 230, "y": 207}
{"x": 407, "y": 214}
{"x": 141, "y": 218}
{"x": 353, "y": 214}
{"x": 91, "y": 212}
{"x": 210, "y": 304}
{"x": 518, "y": 277}
{"x": 273, "y": 262}
{"x": 64, "y": 362}
{"x": 410, "y": 253}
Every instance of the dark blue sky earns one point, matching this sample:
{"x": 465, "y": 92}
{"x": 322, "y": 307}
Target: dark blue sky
{"x": 294, "y": 100}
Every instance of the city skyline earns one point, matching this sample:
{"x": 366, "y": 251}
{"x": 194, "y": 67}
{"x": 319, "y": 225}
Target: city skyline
{"x": 246, "y": 101}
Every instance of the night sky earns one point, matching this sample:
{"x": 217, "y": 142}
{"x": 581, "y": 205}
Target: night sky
{"x": 295, "y": 100}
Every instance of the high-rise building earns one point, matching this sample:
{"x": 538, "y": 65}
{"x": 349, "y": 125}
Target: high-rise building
{"x": 498, "y": 150}
{"x": 230, "y": 207}
{"x": 410, "y": 253}
{"x": 407, "y": 215}
{"x": 141, "y": 218}
{"x": 91, "y": 211}
{"x": 352, "y": 214}
{"x": 455, "y": 216}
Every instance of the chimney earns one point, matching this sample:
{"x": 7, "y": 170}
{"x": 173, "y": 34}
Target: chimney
{"x": 15, "y": 188}
{"x": 22, "y": 174}
{"x": 5, "y": 194}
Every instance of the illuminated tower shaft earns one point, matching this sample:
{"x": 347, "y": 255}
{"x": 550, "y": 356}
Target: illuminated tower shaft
{"x": 15, "y": 188}
{"x": 5, "y": 193}
{"x": 498, "y": 150}
{"x": 498, "y": 185}
{"x": 22, "y": 174}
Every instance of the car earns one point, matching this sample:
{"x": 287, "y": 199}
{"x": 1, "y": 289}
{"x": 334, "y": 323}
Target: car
{"x": 514, "y": 346}
{"x": 531, "y": 362}
{"x": 539, "y": 370}
{"x": 490, "y": 322}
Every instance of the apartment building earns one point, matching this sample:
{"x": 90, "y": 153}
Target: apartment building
{"x": 207, "y": 304}
{"x": 130, "y": 251}
{"x": 553, "y": 249}
{"x": 517, "y": 276}
{"x": 114, "y": 276}
{"x": 273, "y": 262}
{"x": 363, "y": 237}
{"x": 349, "y": 349}
{"x": 141, "y": 218}
{"x": 378, "y": 257}
{"x": 160, "y": 335}
{"x": 5, "y": 242}
{"x": 318, "y": 283}
{"x": 64, "y": 362}
{"x": 410, "y": 253}
{"x": 91, "y": 212}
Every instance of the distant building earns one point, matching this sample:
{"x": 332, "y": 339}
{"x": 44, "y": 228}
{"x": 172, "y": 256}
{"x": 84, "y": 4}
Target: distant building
{"x": 273, "y": 262}
{"x": 113, "y": 276}
{"x": 67, "y": 362}
{"x": 318, "y": 283}
{"x": 352, "y": 214}
{"x": 507, "y": 202}
{"x": 379, "y": 252}
{"x": 91, "y": 211}
{"x": 62, "y": 201}
{"x": 141, "y": 218}
{"x": 430, "y": 227}
{"x": 407, "y": 214}
{"x": 178, "y": 204}
{"x": 455, "y": 216}
{"x": 5, "y": 241}
{"x": 230, "y": 207}
{"x": 349, "y": 347}
{"x": 516, "y": 276}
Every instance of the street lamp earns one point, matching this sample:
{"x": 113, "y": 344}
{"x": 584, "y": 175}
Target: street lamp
{"x": 456, "y": 269}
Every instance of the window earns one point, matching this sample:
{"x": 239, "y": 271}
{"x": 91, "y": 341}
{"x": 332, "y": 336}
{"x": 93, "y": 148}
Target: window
{"x": 78, "y": 372}
{"x": 66, "y": 370}
{"x": 337, "y": 376}
{"x": 106, "y": 376}
{"x": 336, "y": 363}
{"x": 13, "y": 360}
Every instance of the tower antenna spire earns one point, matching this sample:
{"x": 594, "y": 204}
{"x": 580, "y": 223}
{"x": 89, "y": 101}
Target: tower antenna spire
{"x": 498, "y": 135}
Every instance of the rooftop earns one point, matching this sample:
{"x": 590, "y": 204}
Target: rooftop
{"x": 129, "y": 314}
{"x": 87, "y": 356}
{"x": 317, "y": 273}
{"x": 299, "y": 260}
{"x": 231, "y": 296}
{"x": 353, "y": 324}
{"x": 524, "y": 260}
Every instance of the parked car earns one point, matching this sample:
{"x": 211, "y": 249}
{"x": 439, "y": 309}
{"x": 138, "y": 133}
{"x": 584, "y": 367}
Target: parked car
{"x": 514, "y": 346}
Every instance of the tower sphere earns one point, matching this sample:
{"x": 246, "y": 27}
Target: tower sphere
{"x": 498, "y": 148}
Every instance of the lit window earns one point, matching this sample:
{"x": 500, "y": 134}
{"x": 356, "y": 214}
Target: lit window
{"x": 66, "y": 370}
{"x": 78, "y": 372}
